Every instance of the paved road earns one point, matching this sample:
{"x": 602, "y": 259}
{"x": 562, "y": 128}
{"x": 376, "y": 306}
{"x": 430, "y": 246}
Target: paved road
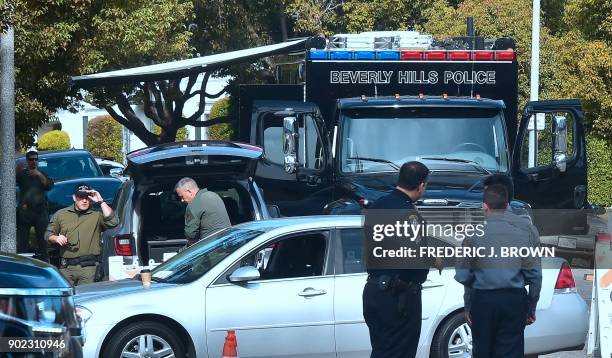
{"x": 585, "y": 290}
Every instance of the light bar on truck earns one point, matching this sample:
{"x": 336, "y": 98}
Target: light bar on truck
{"x": 412, "y": 55}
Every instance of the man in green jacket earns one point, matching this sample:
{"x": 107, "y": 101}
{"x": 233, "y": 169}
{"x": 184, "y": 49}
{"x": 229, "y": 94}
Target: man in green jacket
{"x": 77, "y": 229}
{"x": 205, "y": 213}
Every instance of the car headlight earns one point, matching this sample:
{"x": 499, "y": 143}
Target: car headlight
{"x": 83, "y": 313}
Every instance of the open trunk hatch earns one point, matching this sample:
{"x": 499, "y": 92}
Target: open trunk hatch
{"x": 215, "y": 159}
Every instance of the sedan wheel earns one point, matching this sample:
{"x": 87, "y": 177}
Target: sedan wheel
{"x": 147, "y": 346}
{"x": 460, "y": 342}
{"x": 144, "y": 340}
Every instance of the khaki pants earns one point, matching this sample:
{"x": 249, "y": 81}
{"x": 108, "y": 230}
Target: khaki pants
{"x": 78, "y": 275}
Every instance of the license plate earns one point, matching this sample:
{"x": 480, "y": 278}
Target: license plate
{"x": 567, "y": 242}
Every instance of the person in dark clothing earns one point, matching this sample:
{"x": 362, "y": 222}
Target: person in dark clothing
{"x": 32, "y": 208}
{"x": 497, "y": 306}
{"x": 393, "y": 311}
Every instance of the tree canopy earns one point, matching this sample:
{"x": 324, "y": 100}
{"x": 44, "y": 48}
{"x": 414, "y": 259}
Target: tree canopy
{"x": 59, "y": 38}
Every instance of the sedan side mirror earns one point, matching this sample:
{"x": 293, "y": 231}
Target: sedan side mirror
{"x": 244, "y": 274}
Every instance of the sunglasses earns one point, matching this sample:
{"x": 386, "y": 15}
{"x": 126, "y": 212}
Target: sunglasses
{"x": 32, "y": 159}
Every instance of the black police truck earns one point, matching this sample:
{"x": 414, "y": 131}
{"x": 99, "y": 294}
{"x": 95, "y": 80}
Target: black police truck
{"x": 355, "y": 109}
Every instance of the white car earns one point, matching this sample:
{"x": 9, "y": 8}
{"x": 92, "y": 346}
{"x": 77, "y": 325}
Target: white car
{"x": 292, "y": 287}
{"x": 110, "y": 167}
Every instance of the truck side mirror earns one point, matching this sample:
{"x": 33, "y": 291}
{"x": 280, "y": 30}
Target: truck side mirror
{"x": 290, "y": 140}
{"x": 560, "y": 143}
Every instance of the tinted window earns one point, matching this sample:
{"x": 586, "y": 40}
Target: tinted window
{"x": 296, "y": 256}
{"x": 61, "y": 195}
{"x": 69, "y": 167}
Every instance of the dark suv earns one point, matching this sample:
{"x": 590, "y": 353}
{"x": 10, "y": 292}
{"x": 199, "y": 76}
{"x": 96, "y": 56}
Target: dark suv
{"x": 152, "y": 215}
{"x": 36, "y": 302}
{"x": 67, "y": 164}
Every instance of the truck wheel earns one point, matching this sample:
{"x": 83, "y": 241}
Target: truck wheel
{"x": 453, "y": 339}
{"x": 144, "y": 339}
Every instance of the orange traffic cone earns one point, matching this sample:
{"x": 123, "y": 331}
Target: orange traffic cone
{"x": 230, "y": 348}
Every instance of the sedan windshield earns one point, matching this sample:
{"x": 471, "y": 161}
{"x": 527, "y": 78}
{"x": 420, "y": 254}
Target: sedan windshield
{"x": 190, "y": 264}
{"x": 375, "y": 140}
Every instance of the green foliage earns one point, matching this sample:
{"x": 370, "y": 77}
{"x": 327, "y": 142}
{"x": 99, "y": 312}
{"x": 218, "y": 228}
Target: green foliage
{"x": 599, "y": 153}
{"x": 105, "y": 138}
{"x": 372, "y": 15}
{"x": 182, "y": 134}
{"x": 57, "y": 39}
{"x": 222, "y": 131}
{"x": 593, "y": 18}
{"x": 54, "y": 140}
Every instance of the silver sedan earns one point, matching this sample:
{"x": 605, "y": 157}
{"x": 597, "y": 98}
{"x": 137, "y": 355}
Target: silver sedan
{"x": 291, "y": 288}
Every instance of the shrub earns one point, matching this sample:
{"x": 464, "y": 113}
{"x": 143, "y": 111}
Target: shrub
{"x": 222, "y": 131}
{"x": 54, "y": 140}
{"x": 181, "y": 135}
{"x": 105, "y": 138}
{"x": 599, "y": 153}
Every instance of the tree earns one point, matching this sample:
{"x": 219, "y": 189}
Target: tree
{"x": 224, "y": 131}
{"x": 105, "y": 138}
{"x": 56, "y": 39}
{"x": 54, "y": 140}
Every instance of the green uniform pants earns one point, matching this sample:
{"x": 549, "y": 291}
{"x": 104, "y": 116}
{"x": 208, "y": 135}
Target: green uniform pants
{"x": 78, "y": 275}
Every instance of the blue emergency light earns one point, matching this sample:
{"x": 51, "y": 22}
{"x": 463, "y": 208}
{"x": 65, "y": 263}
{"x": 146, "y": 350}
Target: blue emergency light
{"x": 388, "y": 55}
{"x": 364, "y": 55}
{"x": 317, "y": 55}
{"x": 340, "y": 55}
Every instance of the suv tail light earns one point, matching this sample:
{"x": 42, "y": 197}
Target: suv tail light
{"x": 123, "y": 245}
{"x": 565, "y": 280}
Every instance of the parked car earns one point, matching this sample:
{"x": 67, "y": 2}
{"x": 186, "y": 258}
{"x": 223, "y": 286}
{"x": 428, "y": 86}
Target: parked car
{"x": 66, "y": 164}
{"x": 61, "y": 194}
{"x": 153, "y": 217}
{"x": 303, "y": 300}
{"x": 36, "y": 301}
{"x": 110, "y": 167}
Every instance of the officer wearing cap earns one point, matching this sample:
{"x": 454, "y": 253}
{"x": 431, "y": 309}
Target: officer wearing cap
{"x": 392, "y": 297}
{"x": 76, "y": 229}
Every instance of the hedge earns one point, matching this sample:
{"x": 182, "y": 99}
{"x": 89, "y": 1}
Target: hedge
{"x": 105, "y": 138}
{"x": 181, "y": 135}
{"x": 54, "y": 140}
{"x": 599, "y": 153}
{"x": 222, "y": 131}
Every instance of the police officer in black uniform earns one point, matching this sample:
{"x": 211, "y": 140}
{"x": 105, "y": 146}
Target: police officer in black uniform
{"x": 392, "y": 297}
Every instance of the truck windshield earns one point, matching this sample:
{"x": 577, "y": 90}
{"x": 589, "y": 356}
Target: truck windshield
{"x": 374, "y": 137}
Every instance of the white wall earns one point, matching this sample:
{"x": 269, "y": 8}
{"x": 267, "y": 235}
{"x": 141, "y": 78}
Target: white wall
{"x": 72, "y": 123}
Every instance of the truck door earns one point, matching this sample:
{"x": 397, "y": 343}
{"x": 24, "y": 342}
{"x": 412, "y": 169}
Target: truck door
{"x": 551, "y": 175}
{"x": 295, "y": 170}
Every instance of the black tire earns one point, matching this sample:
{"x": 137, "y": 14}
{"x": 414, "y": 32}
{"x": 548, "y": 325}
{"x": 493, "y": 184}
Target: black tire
{"x": 439, "y": 345}
{"x": 113, "y": 348}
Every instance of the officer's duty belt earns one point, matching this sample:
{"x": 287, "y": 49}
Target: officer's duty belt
{"x": 87, "y": 260}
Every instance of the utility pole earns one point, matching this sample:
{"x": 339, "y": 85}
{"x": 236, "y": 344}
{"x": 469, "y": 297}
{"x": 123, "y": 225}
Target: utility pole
{"x": 8, "y": 205}
{"x": 534, "y": 79}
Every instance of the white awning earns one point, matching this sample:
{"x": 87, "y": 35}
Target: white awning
{"x": 182, "y": 68}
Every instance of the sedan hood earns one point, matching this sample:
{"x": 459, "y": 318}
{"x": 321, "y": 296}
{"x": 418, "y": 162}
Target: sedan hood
{"x": 100, "y": 290}
{"x": 211, "y": 159}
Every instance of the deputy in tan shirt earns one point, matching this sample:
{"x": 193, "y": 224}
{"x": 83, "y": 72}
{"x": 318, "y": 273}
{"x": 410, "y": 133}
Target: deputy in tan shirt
{"x": 77, "y": 229}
